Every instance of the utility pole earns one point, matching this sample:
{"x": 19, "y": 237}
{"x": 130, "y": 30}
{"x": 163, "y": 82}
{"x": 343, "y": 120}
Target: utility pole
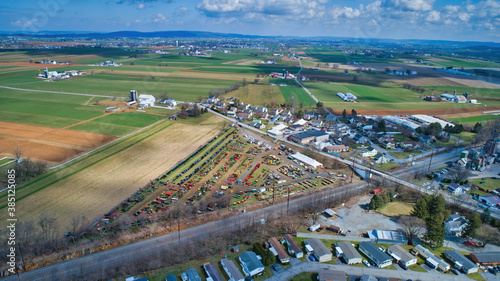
{"x": 481, "y": 122}
{"x": 288, "y": 200}
{"x": 353, "y": 166}
{"x": 432, "y": 154}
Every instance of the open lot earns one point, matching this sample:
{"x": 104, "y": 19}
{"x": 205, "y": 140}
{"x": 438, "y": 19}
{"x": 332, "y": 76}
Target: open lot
{"x": 94, "y": 184}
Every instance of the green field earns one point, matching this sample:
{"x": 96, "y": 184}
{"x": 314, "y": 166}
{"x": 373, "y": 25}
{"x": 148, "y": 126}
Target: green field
{"x": 458, "y": 63}
{"x": 59, "y": 111}
{"x": 474, "y": 93}
{"x": 299, "y": 93}
{"x": 473, "y": 119}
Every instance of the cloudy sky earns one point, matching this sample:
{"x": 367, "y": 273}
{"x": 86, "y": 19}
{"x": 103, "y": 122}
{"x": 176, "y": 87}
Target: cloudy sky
{"x": 476, "y": 20}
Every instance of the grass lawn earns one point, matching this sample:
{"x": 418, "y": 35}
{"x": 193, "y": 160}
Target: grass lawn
{"x": 477, "y": 191}
{"x": 476, "y": 276}
{"x": 489, "y": 183}
{"x": 387, "y": 166}
{"x": 397, "y": 208}
{"x": 466, "y": 137}
{"x": 417, "y": 268}
{"x": 298, "y": 94}
{"x": 305, "y": 276}
{"x": 473, "y": 119}
{"x": 5, "y": 161}
{"x": 404, "y": 155}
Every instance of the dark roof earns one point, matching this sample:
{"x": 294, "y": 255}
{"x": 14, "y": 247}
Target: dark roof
{"x": 171, "y": 277}
{"x": 251, "y": 260}
{"x": 303, "y": 135}
{"x": 402, "y": 253}
{"x": 374, "y": 251}
{"x": 294, "y": 246}
{"x": 212, "y": 272}
{"x": 193, "y": 275}
{"x": 487, "y": 257}
{"x": 458, "y": 257}
{"x": 348, "y": 250}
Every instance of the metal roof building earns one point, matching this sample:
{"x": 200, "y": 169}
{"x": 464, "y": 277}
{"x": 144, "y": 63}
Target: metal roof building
{"x": 388, "y": 236}
{"x": 212, "y": 272}
{"x": 401, "y": 255}
{"x": 282, "y": 255}
{"x": 250, "y": 264}
{"x": 306, "y": 160}
{"x": 486, "y": 257}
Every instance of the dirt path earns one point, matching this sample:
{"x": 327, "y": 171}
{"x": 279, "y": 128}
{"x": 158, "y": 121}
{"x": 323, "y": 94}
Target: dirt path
{"x": 89, "y": 101}
{"x": 84, "y": 121}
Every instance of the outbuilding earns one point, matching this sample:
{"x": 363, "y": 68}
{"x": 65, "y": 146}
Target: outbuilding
{"x": 306, "y": 160}
{"x": 486, "y": 258}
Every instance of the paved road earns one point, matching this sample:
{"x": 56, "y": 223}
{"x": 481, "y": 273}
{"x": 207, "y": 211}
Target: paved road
{"x": 298, "y": 267}
{"x": 73, "y": 269}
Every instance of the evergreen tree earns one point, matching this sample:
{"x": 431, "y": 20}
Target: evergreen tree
{"x": 354, "y": 113}
{"x": 435, "y": 230}
{"x": 344, "y": 113}
{"x": 473, "y": 224}
{"x": 381, "y": 125}
{"x": 486, "y": 216}
{"x": 477, "y": 127}
{"x": 421, "y": 210}
{"x": 376, "y": 202}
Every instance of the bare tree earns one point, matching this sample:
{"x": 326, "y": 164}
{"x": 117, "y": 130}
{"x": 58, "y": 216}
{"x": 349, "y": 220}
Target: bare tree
{"x": 488, "y": 234}
{"x": 459, "y": 174}
{"x": 164, "y": 96}
{"x": 412, "y": 226}
{"x": 18, "y": 153}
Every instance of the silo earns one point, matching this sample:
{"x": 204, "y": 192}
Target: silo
{"x": 133, "y": 95}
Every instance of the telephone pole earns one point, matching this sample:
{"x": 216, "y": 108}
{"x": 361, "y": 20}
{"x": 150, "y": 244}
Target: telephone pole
{"x": 432, "y": 154}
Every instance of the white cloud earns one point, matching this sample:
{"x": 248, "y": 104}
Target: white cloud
{"x": 140, "y": 6}
{"x": 127, "y": 24}
{"x": 409, "y": 5}
{"x": 137, "y": 21}
{"x": 160, "y": 18}
{"x": 23, "y": 23}
{"x": 433, "y": 16}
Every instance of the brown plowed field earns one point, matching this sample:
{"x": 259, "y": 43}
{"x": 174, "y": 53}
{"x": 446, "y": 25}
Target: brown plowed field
{"x": 449, "y": 112}
{"x": 45, "y": 143}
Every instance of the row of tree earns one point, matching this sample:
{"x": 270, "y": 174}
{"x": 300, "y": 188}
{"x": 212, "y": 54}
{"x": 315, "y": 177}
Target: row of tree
{"x": 413, "y": 87}
{"x": 221, "y": 91}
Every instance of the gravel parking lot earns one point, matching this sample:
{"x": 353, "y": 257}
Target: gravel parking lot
{"x": 358, "y": 220}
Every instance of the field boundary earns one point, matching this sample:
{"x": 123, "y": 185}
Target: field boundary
{"x": 54, "y": 92}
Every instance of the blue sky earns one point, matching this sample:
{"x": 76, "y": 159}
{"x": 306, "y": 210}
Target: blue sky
{"x": 475, "y": 20}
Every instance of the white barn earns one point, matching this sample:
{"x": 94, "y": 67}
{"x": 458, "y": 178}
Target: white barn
{"x": 146, "y": 100}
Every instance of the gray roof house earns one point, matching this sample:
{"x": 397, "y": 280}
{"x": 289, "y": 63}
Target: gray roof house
{"x": 347, "y": 251}
{"x": 486, "y": 258}
{"x": 376, "y": 255}
{"x": 250, "y": 264}
{"x": 461, "y": 262}
{"x": 318, "y": 250}
{"x": 212, "y": 272}
{"x": 193, "y": 275}
{"x": 231, "y": 270}
{"x": 401, "y": 255}
{"x": 293, "y": 246}
{"x": 455, "y": 225}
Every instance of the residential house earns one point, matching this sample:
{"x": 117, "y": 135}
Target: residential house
{"x": 243, "y": 116}
{"x": 257, "y": 125}
{"x": 296, "y": 127}
{"x": 259, "y": 108}
{"x": 369, "y": 152}
{"x": 192, "y": 275}
{"x": 212, "y": 272}
{"x": 331, "y": 275}
{"x": 366, "y": 127}
{"x": 367, "y": 277}
{"x": 212, "y": 100}
{"x": 316, "y": 123}
{"x": 308, "y": 115}
{"x": 455, "y": 224}
{"x": 261, "y": 114}
{"x": 231, "y": 270}
{"x": 409, "y": 145}
{"x": 284, "y": 115}
{"x": 316, "y": 248}
{"x": 386, "y": 137}
{"x": 359, "y": 139}
{"x": 376, "y": 255}
{"x": 282, "y": 255}
{"x": 249, "y": 111}
{"x": 293, "y": 246}
{"x": 461, "y": 262}
{"x": 250, "y": 264}
{"x": 431, "y": 259}
{"x": 486, "y": 258}
{"x": 232, "y": 112}
{"x": 380, "y": 158}
{"x": 401, "y": 255}
{"x": 330, "y": 118}
{"x": 336, "y": 148}
{"x": 427, "y": 139}
{"x": 275, "y": 111}
{"x": 455, "y": 188}
{"x": 347, "y": 252}
{"x": 389, "y": 144}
